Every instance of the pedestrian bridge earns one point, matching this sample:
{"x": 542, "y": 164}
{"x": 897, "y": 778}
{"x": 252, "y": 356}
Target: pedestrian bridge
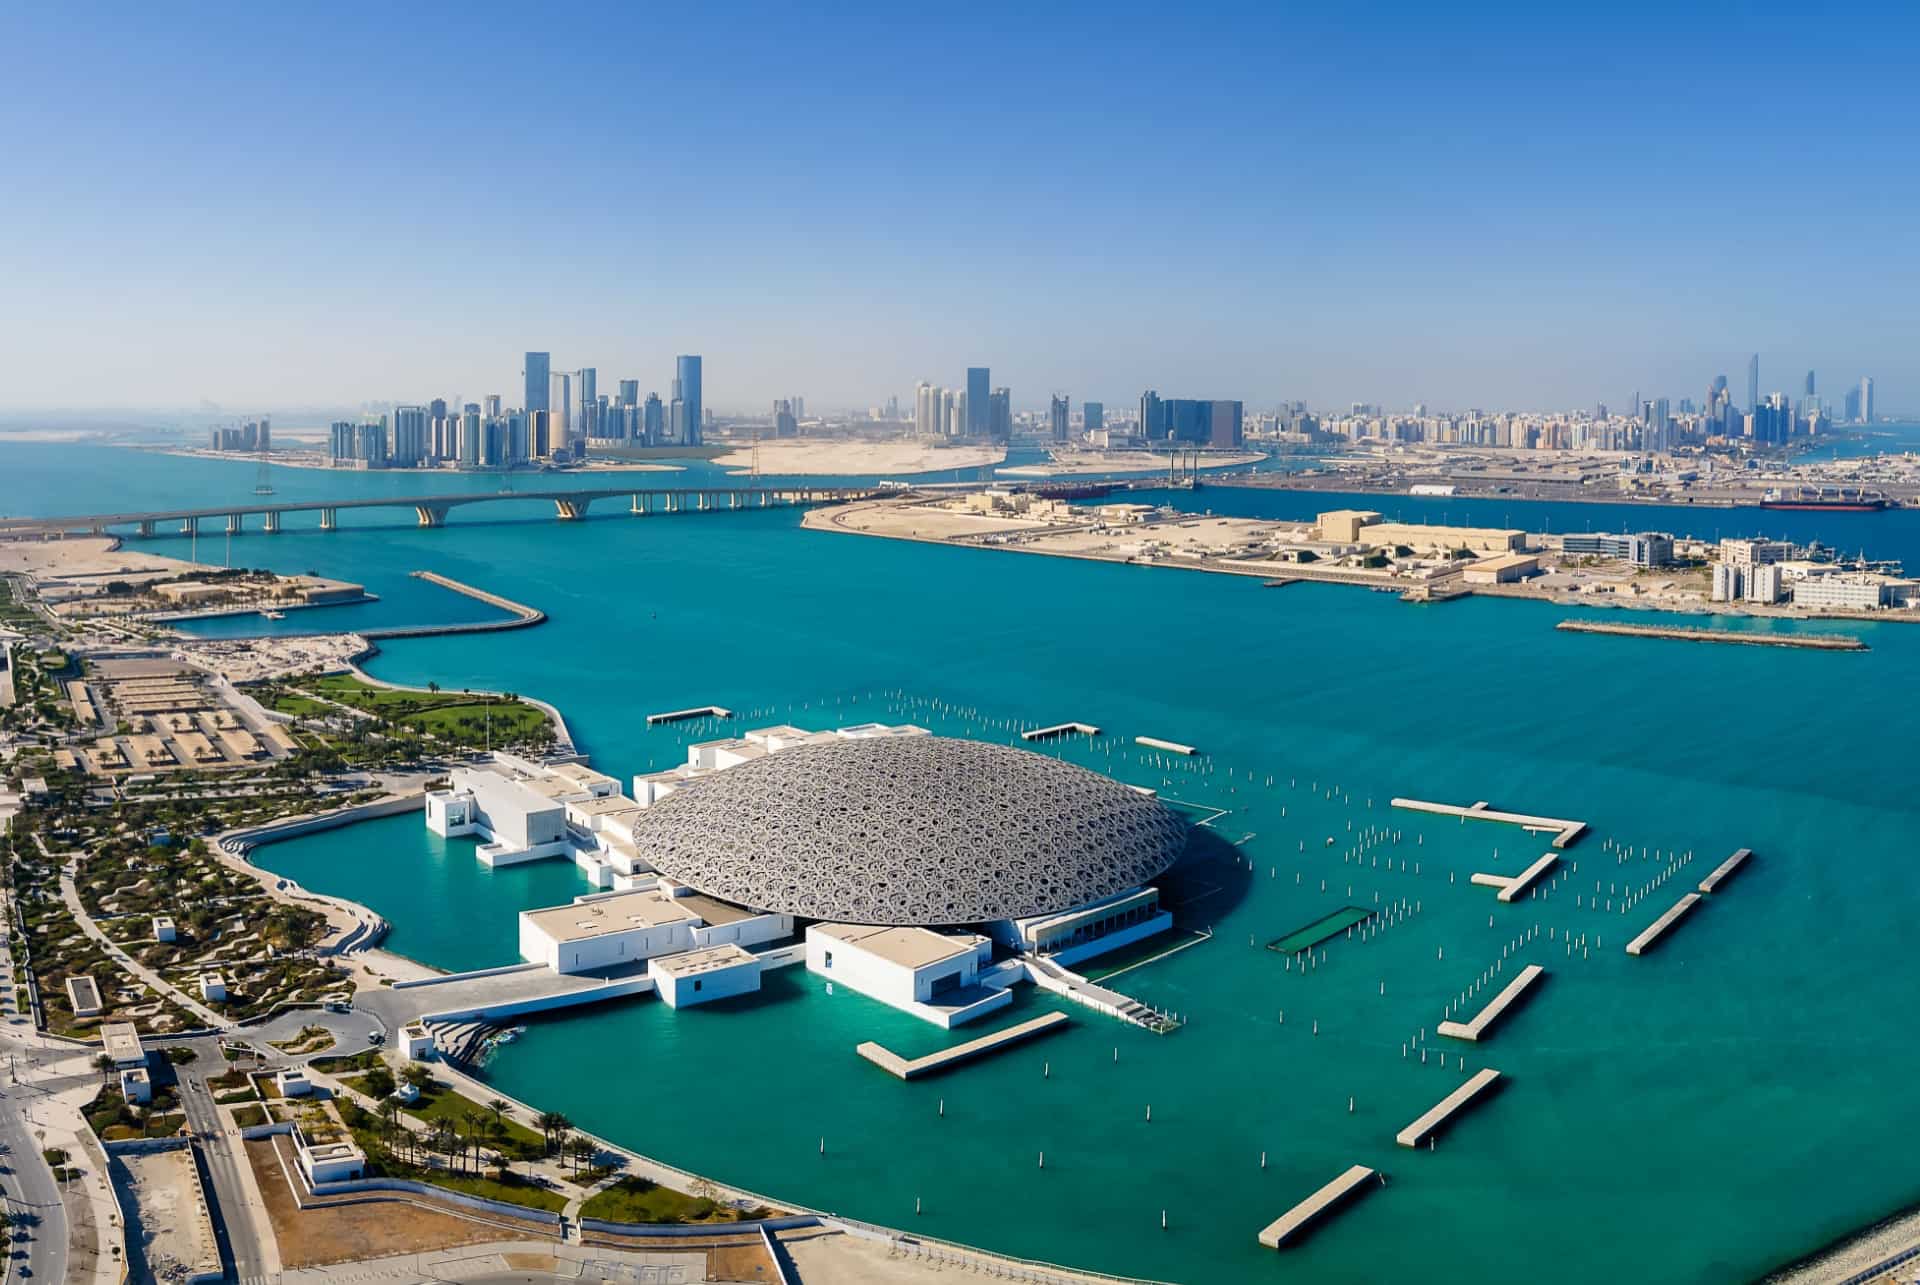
{"x": 432, "y": 510}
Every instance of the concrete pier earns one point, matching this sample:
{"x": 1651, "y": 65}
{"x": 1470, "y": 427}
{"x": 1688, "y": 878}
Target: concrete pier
{"x": 1358, "y": 1178}
{"x": 913, "y": 1069}
{"x": 1564, "y": 832}
{"x": 1448, "y": 1107}
{"x": 1171, "y": 747}
{"x": 1655, "y": 931}
{"x": 1496, "y": 1008}
{"x": 1490, "y": 881}
{"x": 1725, "y": 870}
{"x": 1060, "y": 729}
{"x": 1518, "y": 887}
{"x": 1812, "y": 642}
{"x": 682, "y": 715}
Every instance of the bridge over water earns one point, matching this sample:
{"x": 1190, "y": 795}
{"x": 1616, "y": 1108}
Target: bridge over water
{"x": 432, "y": 510}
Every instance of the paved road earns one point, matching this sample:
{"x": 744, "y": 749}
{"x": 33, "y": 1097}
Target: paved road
{"x": 39, "y": 1250}
{"x": 220, "y": 1154}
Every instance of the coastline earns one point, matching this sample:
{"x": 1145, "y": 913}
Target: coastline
{"x": 825, "y": 519}
{"x": 316, "y": 462}
{"x": 1343, "y": 483}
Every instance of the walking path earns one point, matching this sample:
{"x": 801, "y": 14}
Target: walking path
{"x": 71, "y": 895}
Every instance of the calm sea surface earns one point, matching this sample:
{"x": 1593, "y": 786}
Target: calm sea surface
{"x": 1697, "y": 1115}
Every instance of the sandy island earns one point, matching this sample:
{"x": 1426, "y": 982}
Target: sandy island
{"x": 1074, "y": 463}
{"x": 834, "y": 455}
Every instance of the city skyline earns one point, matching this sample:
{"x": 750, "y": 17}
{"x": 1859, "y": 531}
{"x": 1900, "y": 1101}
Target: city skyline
{"x": 1418, "y": 240}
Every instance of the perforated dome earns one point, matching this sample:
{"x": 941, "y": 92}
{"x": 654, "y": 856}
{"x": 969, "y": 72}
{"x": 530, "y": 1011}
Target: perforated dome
{"x": 921, "y": 830}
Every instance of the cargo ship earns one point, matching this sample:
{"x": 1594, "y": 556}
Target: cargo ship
{"x": 1825, "y": 499}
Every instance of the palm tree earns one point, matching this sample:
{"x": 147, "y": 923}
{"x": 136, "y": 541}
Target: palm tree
{"x": 584, "y": 1152}
{"x": 499, "y": 1107}
{"x": 562, "y": 1139}
{"x": 104, "y": 1065}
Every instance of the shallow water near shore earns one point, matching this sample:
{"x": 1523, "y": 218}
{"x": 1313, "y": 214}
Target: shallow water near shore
{"x": 1730, "y": 1100}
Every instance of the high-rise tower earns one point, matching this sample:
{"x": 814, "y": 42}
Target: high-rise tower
{"x": 979, "y": 409}
{"x": 687, "y": 381}
{"x": 537, "y": 368}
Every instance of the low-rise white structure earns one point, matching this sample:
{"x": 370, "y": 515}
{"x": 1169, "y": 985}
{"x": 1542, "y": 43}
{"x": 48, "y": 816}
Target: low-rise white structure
{"x": 213, "y": 988}
{"x": 416, "y": 1042}
{"x": 614, "y": 930}
{"x": 83, "y": 996}
{"x": 136, "y": 1086}
{"x": 934, "y": 976}
{"x": 163, "y": 929}
{"x": 514, "y": 820}
{"x": 707, "y": 757}
{"x": 701, "y": 976}
{"x": 120, "y": 1041}
{"x": 328, "y": 1161}
{"x": 293, "y": 1083}
{"x": 1086, "y": 931}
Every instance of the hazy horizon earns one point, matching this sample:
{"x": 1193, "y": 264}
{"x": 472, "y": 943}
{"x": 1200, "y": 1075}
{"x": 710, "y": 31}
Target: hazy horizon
{"x": 1505, "y": 208}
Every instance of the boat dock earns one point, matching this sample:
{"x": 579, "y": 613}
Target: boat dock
{"x": 1564, "y": 832}
{"x": 1484, "y": 880}
{"x": 682, "y": 715}
{"x": 1315, "y": 1207}
{"x": 1484, "y": 1020}
{"x": 1675, "y": 913}
{"x": 912, "y": 1069}
{"x": 1811, "y": 642}
{"x": 1725, "y": 870}
{"x": 1060, "y": 729}
{"x": 1171, "y": 747}
{"x": 1448, "y": 1107}
{"x": 1517, "y": 887}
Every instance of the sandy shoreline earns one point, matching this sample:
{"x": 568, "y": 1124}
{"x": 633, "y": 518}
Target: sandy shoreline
{"x": 803, "y": 456}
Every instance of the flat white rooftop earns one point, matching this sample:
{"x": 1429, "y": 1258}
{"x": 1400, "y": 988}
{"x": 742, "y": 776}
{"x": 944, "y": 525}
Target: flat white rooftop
{"x": 122, "y": 1042}
{"x": 907, "y": 947}
{"x": 620, "y": 912}
{"x": 692, "y": 963}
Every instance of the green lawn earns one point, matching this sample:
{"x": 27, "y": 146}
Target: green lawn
{"x": 513, "y": 1193}
{"x": 638, "y": 1200}
{"x": 454, "y": 716}
{"x": 441, "y": 1103}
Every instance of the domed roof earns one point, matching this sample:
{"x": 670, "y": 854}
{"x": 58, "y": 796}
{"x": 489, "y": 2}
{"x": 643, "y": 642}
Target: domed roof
{"x": 900, "y": 830}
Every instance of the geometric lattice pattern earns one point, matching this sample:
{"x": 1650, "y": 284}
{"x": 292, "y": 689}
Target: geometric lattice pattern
{"x": 909, "y": 830}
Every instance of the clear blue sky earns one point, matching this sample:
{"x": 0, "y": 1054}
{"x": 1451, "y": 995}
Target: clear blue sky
{"x": 1495, "y": 205}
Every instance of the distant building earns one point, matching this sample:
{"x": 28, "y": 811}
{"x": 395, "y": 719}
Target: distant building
{"x": 1057, "y": 418}
{"x": 1093, "y": 417}
{"x": 1753, "y": 381}
{"x": 1764, "y": 584}
{"x": 538, "y": 369}
{"x": 1646, "y": 549}
{"x": 1000, "y": 414}
{"x": 784, "y": 423}
{"x": 1866, "y": 399}
{"x": 687, "y": 391}
{"x": 979, "y": 403}
{"x": 1840, "y": 593}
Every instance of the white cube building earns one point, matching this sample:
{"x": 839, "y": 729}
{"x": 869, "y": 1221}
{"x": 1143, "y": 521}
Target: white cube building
{"x": 701, "y": 976}
{"x": 932, "y": 975}
{"x": 614, "y": 930}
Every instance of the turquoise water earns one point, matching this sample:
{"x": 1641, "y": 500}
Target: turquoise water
{"x": 1729, "y": 1101}
{"x": 445, "y": 908}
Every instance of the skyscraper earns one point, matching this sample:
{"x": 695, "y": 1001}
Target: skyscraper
{"x": 687, "y": 389}
{"x": 1809, "y": 383}
{"x": 1753, "y": 381}
{"x": 1852, "y": 411}
{"x": 537, "y": 369}
{"x": 1866, "y": 399}
{"x": 584, "y": 423}
{"x": 629, "y": 392}
{"x": 653, "y": 420}
{"x": 1093, "y": 416}
{"x": 979, "y": 409}
{"x": 1000, "y": 414}
{"x": 1057, "y": 417}
{"x": 409, "y": 436}
{"x": 1153, "y": 423}
{"x": 926, "y": 410}
{"x": 561, "y": 403}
